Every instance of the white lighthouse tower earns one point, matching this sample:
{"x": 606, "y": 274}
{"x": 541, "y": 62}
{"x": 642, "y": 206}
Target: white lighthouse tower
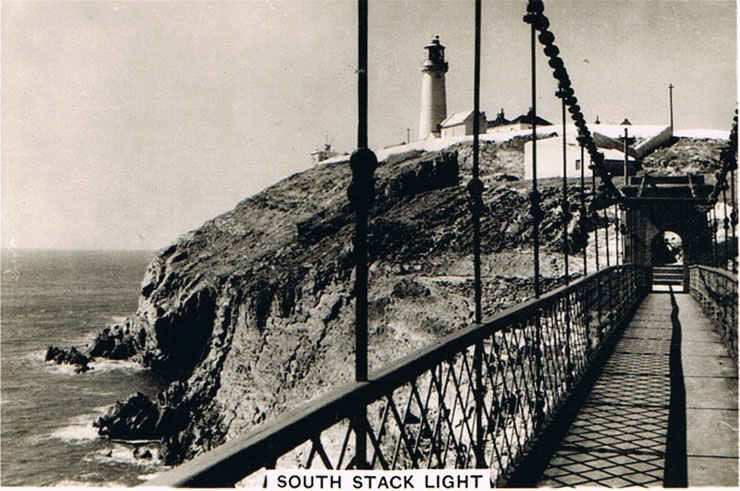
{"x": 433, "y": 94}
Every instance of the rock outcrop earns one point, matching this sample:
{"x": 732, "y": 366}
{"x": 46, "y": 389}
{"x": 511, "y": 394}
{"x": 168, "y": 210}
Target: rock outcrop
{"x": 70, "y": 357}
{"x": 253, "y": 314}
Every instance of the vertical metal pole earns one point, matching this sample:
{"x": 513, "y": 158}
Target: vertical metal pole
{"x": 596, "y": 229}
{"x": 363, "y": 163}
{"x": 565, "y": 211}
{"x": 476, "y": 188}
{"x": 476, "y": 185}
{"x": 620, "y": 236}
{"x": 670, "y": 98}
{"x": 626, "y": 165}
{"x": 606, "y": 236}
{"x": 565, "y": 207}
{"x": 596, "y": 247}
{"x": 536, "y": 212}
{"x": 535, "y": 197}
{"x": 733, "y": 222}
{"x": 362, "y": 73}
{"x": 633, "y": 237}
{"x": 583, "y": 207}
{"x": 713, "y": 215}
{"x": 617, "y": 234}
{"x": 726, "y": 226}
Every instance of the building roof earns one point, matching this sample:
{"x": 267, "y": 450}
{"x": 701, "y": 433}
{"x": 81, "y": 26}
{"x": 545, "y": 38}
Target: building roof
{"x": 459, "y": 118}
{"x": 527, "y": 119}
{"x": 500, "y": 120}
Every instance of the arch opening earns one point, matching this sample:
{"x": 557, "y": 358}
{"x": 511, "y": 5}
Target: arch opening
{"x": 667, "y": 249}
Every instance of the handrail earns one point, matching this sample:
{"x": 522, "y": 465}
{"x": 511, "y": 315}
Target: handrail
{"x": 238, "y": 458}
{"x": 716, "y": 291}
{"x": 712, "y": 269}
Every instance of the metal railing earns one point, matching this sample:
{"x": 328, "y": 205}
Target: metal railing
{"x": 716, "y": 290}
{"x": 476, "y": 398}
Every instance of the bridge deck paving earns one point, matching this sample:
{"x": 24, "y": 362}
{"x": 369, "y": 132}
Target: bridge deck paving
{"x": 618, "y": 438}
{"x": 711, "y": 382}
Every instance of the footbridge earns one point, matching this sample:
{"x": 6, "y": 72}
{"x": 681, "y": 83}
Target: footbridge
{"x": 624, "y": 376}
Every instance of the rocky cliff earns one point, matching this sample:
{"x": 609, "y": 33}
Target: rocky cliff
{"x": 253, "y": 310}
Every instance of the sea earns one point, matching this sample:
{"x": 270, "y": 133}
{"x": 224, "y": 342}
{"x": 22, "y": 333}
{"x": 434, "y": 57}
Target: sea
{"x": 63, "y": 298}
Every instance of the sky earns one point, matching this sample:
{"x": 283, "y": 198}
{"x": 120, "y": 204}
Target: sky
{"x": 127, "y": 124}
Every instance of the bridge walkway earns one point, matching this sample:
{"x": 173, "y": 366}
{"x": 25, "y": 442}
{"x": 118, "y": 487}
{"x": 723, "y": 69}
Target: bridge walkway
{"x": 619, "y": 436}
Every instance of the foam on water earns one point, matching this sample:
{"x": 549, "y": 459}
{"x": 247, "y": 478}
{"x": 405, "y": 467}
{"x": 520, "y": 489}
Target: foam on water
{"x": 98, "y": 365}
{"x": 71, "y": 484}
{"x": 124, "y": 454}
{"x": 80, "y": 428}
{"x": 102, "y": 365}
{"x": 63, "y": 368}
{"x": 149, "y": 477}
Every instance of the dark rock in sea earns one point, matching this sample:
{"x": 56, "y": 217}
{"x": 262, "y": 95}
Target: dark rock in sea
{"x": 133, "y": 419}
{"x": 116, "y": 343}
{"x": 70, "y": 357}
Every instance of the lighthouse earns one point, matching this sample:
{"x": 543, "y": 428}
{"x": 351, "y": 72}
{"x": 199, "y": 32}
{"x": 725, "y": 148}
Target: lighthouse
{"x": 433, "y": 95}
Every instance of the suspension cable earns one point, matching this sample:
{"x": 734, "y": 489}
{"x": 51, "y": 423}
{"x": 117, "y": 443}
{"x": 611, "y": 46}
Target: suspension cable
{"x": 536, "y": 17}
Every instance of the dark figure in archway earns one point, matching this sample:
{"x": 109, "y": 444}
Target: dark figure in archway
{"x": 666, "y": 249}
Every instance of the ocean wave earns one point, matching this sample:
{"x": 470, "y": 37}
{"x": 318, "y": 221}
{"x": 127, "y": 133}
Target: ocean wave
{"x": 102, "y": 365}
{"x": 63, "y": 368}
{"x": 98, "y": 365}
{"x": 118, "y": 319}
{"x": 150, "y": 476}
{"x": 69, "y": 483}
{"x": 80, "y": 428}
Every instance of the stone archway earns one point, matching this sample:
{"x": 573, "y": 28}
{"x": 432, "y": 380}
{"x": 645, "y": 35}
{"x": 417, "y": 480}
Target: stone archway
{"x": 653, "y": 218}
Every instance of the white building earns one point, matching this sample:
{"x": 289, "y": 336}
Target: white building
{"x": 461, "y": 124}
{"x": 550, "y": 158}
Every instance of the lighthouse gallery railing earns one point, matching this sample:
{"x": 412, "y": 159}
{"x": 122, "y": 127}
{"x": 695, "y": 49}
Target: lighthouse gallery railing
{"x": 423, "y": 411}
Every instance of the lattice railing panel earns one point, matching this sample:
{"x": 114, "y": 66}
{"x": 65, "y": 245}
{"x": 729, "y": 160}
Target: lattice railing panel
{"x": 475, "y": 399}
